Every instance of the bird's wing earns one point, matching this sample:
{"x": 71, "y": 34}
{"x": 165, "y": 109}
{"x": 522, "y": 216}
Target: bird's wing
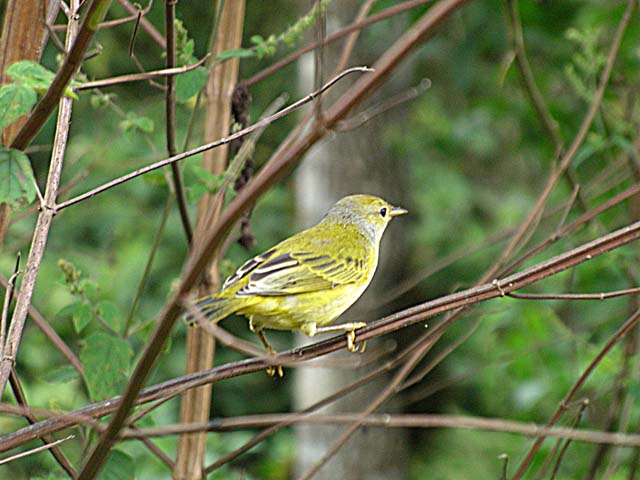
{"x": 295, "y": 271}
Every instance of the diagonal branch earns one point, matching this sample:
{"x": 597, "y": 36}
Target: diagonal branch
{"x": 95, "y": 14}
{"x": 410, "y": 316}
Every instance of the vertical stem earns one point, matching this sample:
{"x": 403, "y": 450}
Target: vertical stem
{"x": 43, "y": 224}
{"x": 222, "y": 80}
{"x": 170, "y": 103}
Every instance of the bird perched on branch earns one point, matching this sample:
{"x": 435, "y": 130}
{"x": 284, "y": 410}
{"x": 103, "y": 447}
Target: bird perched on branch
{"x": 308, "y": 280}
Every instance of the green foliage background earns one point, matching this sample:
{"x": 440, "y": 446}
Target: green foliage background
{"x": 478, "y": 159}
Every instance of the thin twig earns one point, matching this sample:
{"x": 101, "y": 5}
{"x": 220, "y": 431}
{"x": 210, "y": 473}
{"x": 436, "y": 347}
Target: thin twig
{"x": 146, "y": 24}
{"x": 629, "y": 324}
{"x": 21, "y": 400}
{"x": 8, "y": 295}
{"x": 39, "y": 115}
{"x": 116, "y": 22}
{"x": 45, "y": 217}
{"x": 193, "y": 272}
{"x": 574, "y": 296}
{"x": 208, "y": 146}
{"x": 35, "y": 450}
{"x": 393, "y": 420}
{"x": 170, "y": 121}
{"x": 385, "y": 325}
{"x": 396, "y": 10}
{"x": 137, "y": 77}
{"x": 577, "y": 141}
{"x": 567, "y": 442}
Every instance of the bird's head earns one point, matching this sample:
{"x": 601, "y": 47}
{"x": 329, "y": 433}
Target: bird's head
{"x": 370, "y": 213}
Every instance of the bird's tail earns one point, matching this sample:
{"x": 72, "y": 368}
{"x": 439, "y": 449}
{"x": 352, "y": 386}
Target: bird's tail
{"x": 213, "y": 308}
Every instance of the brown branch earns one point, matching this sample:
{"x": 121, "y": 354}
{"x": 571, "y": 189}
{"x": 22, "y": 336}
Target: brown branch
{"x": 49, "y": 332}
{"x": 48, "y": 440}
{"x": 170, "y": 112}
{"x": 389, "y": 12}
{"x": 395, "y": 420}
{"x": 208, "y": 146}
{"x": 43, "y": 223}
{"x": 380, "y": 327}
{"x": 145, "y": 23}
{"x": 137, "y": 13}
{"x": 136, "y": 77}
{"x": 628, "y": 325}
{"x": 526, "y": 75}
{"x": 577, "y": 141}
{"x": 36, "y": 450}
{"x": 171, "y": 312}
{"x": 574, "y": 296}
{"x": 39, "y": 115}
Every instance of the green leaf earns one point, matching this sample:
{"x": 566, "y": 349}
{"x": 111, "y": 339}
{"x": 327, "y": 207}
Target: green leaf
{"x": 111, "y": 314}
{"x": 15, "y": 101}
{"x": 31, "y": 74}
{"x": 63, "y": 374}
{"x": 190, "y": 83}
{"x": 134, "y": 122}
{"x": 236, "y": 53}
{"x": 17, "y": 184}
{"x": 89, "y": 288}
{"x": 66, "y": 311}
{"x": 119, "y": 466}
{"x": 82, "y": 315}
{"x": 105, "y": 359}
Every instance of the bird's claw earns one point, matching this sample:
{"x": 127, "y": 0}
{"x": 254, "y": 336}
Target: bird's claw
{"x": 351, "y": 339}
{"x": 274, "y": 370}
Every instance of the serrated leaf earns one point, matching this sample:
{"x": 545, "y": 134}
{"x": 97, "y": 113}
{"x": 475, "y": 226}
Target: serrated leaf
{"x": 63, "y": 374}
{"x": 190, "y": 83}
{"x": 111, "y": 314}
{"x": 236, "y": 53}
{"x": 31, "y": 74}
{"x": 105, "y": 359}
{"x": 82, "y": 315}
{"x": 15, "y": 101}
{"x": 17, "y": 184}
{"x": 119, "y": 466}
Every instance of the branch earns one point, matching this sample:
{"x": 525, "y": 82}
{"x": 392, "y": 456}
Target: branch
{"x": 389, "y": 12}
{"x": 43, "y": 224}
{"x": 380, "y": 327}
{"x": 397, "y": 420}
{"x": 136, "y": 77}
{"x": 173, "y": 309}
{"x": 44, "y": 108}
{"x": 208, "y": 146}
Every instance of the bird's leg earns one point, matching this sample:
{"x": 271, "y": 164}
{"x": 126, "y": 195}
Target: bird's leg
{"x": 272, "y": 369}
{"x": 350, "y": 328}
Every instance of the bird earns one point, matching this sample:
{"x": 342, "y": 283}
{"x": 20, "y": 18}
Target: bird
{"x": 307, "y": 281}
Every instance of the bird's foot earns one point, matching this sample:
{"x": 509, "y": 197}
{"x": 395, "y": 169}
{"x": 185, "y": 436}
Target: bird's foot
{"x": 351, "y": 338}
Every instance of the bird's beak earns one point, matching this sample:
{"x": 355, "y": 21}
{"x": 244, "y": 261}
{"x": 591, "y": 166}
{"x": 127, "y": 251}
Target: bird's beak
{"x": 395, "y": 211}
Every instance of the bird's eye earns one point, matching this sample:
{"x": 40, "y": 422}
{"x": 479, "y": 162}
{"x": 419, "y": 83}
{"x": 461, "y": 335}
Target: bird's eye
{"x": 383, "y": 212}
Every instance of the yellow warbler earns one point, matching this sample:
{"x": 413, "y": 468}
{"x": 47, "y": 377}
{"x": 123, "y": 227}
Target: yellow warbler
{"x": 308, "y": 280}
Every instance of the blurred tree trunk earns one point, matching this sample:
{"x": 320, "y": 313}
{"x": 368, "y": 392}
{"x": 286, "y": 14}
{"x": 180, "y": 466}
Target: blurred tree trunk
{"x": 351, "y": 162}
{"x": 222, "y": 80}
{"x": 24, "y": 35}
